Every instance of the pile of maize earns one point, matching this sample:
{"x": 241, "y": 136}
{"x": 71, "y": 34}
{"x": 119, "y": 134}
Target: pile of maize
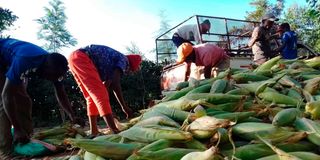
{"x": 270, "y": 112}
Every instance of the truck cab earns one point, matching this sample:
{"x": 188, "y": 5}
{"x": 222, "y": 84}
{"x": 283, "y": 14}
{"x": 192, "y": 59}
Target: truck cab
{"x": 232, "y": 35}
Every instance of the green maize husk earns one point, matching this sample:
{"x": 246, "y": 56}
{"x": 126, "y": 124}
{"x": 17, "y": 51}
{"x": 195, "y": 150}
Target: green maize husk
{"x": 294, "y": 94}
{"x": 175, "y": 114}
{"x": 311, "y": 127}
{"x": 201, "y": 89}
{"x": 104, "y": 148}
{"x": 164, "y": 154}
{"x": 159, "y": 120}
{"x": 279, "y": 98}
{"x": 182, "y": 85}
{"x": 216, "y": 98}
{"x": 248, "y": 130}
{"x": 301, "y": 155}
{"x": 154, "y": 132}
{"x": 91, "y": 156}
{"x": 218, "y": 86}
{"x": 286, "y": 117}
{"x": 268, "y": 65}
{"x": 235, "y": 116}
{"x": 255, "y": 151}
{"x": 312, "y": 86}
{"x": 246, "y": 77}
{"x": 313, "y": 62}
{"x": 239, "y": 91}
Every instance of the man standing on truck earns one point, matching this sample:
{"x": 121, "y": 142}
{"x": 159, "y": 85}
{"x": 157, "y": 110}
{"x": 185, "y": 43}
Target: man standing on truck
{"x": 207, "y": 55}
{"x": 288, "y": 47}
{"x": 20, "y": 61}
{"x": 188, "y": 33}
{"x": 260, "y": 39}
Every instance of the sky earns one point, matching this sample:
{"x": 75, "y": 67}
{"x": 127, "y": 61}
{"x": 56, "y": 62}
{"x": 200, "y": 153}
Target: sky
{"x": 117, "y": 23}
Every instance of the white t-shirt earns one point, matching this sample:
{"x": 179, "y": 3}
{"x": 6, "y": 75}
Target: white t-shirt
{"x": 189, "y": 32}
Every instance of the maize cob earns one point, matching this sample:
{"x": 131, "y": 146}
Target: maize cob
{"x": 177, "y": 94}
{"x": 313, "y": 62}
{"x": 307, "y": 76}
{"x": 235, "y": 116}
{"x": 281, "y": 154}
{"x": 201, "y": 89}
{"x": 153, "y": 133}
{"x": 164, "y": 154}
{"x": 91, "y": 156}
{"x": 182, "y": 85}
{"x": 159, "y": 120}
{"x": 239, "y": 91}
{"x": 294, "y": 94}
{"x": 248, "y": 130}
{"x": 314, "y": 109}
{"x": 218, "y": 86}
{"x": 290, "y": 82}
{"x": 104, "y": 148}
{"x": 311, "y": 127}
{"x": 301, "y": 155}
{"x": 216, "y": 98}
{"x": 286, "y": 117}
{"x": 255, "y": 151}
{"x": 312, "y": 86}
{"x": 110, "y": 138}
{"x": 246, "y": 77}
{"x": 206, "y": 126}
{"x": 175, "y": 114}
{"x": 185, "y": 104}
{"x": 221, "y": 136}
{"x": 211, "y": 153}
{"x": 279, "y": 98}
{"x": 268, "y": 65}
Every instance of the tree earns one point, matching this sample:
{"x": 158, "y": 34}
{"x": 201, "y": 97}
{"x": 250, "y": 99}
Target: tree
{"x": 165, "y": 46}
{"x": 53, "y": 29}
{"x": 134, "y": 49}
{"x": 305, "y": 21}
{"x": 6, "y": 19}
{"x": 264, "y": 6}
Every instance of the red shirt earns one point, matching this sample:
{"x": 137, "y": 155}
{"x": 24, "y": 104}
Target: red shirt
{"x": 208, "y": 54}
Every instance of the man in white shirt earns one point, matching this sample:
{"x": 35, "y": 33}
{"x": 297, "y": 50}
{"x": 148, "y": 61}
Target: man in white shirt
{"x": 188, "y": 33}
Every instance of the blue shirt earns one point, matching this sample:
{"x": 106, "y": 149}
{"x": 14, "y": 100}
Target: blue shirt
{"x": 20, "y": 58}
{"x": 289, "y": 38}
{"x": 106, "y": 60}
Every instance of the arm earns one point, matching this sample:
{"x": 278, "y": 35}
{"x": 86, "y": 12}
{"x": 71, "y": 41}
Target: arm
{"x": 116, "y": 87}
{"x": 63, "y": 100}
{"x": 254, "y": 37}
{"x": 188, "y": 71}
{"x": 8, "y": 93}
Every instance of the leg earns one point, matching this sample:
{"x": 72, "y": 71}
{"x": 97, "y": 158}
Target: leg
{"x": 5, "y": 126}
{"x": 24, "y": 109}
{"x": 92, "y": 110}
{"x": 88, "y": 76}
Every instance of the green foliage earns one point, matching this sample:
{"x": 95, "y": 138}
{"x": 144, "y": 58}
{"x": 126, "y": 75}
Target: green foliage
{"x": 264, "y": 6}
{"x": 305, "y": 21}
{"x": 53, "y": 29}
{"x": 138, "y": 90}
{"x": 6, "y": 19}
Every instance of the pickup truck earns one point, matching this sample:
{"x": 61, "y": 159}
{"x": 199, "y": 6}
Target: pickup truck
{"x": 231, "y": 34}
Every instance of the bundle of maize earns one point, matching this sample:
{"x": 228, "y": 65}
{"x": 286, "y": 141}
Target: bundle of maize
{"x": 270, "y": 112}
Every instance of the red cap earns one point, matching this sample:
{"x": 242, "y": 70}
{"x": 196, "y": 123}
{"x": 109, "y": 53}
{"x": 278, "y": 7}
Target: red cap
{"x": 134, "y": 61}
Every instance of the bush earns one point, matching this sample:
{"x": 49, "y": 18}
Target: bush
{"x": 138, "y": 90}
